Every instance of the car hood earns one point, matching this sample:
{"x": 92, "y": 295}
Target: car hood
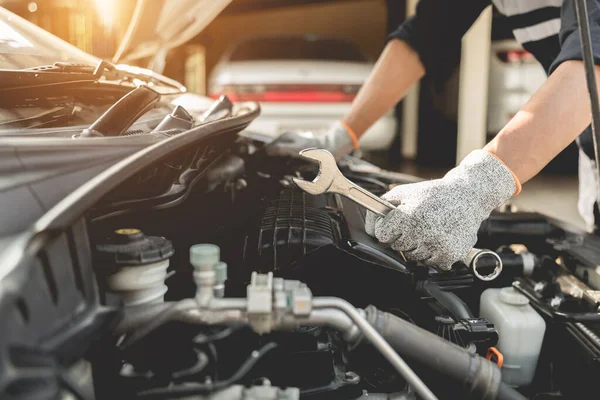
{"x": 160, "y": 25}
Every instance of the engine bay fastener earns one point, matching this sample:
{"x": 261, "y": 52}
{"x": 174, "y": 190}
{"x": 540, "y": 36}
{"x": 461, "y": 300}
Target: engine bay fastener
{"x": 351, "y": 377}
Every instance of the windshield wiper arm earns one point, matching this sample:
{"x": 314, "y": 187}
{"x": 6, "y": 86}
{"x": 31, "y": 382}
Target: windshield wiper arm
{"x": 57, "y": 73}
{"x": 75, "y": 68}
{"x": 121, "y": 115}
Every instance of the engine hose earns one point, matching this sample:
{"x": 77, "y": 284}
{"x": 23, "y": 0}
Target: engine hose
{"x": 479, "y": 376}
{"x": 505, "y": 392}
{"x": 448, "y": 300}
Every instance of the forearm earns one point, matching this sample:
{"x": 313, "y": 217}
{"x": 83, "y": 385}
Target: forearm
{"x": 397, "y": 69}
{"x": 554, "y": 116}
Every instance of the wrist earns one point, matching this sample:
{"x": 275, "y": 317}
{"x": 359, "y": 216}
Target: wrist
{"x": 350, "y": 132}
{"x": 518, "y": 186}
{"x": 484, "y": 179}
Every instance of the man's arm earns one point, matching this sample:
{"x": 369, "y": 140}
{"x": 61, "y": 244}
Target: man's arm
{"x": 428, "y": 42}
{"x": 437, "y": 221}
{"x": 560, "y": 110}
{"x": 397, "y": 69}
{"x": 554, "y": 116}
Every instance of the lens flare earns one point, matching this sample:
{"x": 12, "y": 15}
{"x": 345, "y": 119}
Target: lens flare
{"x": 107, "y": 12}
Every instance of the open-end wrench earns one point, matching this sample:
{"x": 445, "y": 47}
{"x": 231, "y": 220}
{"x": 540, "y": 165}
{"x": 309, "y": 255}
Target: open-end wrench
{"x": 331, "y": 180}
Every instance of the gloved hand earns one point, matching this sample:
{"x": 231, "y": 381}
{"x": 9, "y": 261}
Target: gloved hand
{"x": 339, "y": 140}
{"x": 436, "y": 222}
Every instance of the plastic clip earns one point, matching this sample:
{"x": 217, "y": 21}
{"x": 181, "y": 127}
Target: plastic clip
{"x": 494, "y": 355}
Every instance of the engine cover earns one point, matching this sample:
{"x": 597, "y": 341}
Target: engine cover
{"x": 296, "y": 224}
{"x": 321, "y": 240}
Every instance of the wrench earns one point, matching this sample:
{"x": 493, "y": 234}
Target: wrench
{"x": 331, "y": 180}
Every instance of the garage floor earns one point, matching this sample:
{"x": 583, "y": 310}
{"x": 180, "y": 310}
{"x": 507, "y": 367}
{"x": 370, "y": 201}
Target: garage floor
{"x": 553, "y": 195}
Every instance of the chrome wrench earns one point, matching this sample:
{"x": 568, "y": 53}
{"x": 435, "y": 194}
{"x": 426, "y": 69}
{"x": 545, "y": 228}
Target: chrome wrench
{"x": 331, "y": 180}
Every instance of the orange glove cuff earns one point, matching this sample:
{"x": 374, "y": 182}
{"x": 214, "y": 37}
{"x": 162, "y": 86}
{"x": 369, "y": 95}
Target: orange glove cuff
{"x": 351, "y": 134}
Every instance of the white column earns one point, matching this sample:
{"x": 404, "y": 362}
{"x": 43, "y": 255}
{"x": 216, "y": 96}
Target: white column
{"x": 473, "y": 87}
{"x": 410, "y": 108}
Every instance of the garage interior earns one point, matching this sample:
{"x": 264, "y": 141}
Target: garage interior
{"x": 435, "y": 126}
{"x": 204, "y": 199}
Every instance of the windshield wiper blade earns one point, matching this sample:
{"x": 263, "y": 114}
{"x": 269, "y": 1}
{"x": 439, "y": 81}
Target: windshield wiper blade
{"x": 57, "y": 73}
{"x": 61, "y": 73}
{"x": 52, "y": 116}
{"x": 74, "y": 68}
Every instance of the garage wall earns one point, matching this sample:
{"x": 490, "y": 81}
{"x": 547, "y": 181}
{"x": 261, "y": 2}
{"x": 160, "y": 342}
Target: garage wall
{"x": 361, "y": 21}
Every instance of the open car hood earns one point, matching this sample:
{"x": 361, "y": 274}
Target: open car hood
{"x": 160, "y": 25}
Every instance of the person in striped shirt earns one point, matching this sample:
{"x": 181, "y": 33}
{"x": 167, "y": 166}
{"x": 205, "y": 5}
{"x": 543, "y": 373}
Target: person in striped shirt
{"x": 437, "y": 221}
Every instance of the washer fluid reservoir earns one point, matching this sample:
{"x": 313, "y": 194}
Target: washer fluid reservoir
{"x": 521, "y": 333}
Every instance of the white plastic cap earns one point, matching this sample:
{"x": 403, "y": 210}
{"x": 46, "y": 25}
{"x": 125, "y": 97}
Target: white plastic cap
{"x": 204, "y": 254}
{"x": 221, "y": 272}
{"x": 509, "y": 295}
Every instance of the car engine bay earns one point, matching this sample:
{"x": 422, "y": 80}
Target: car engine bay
{"x": 205, "y": 273}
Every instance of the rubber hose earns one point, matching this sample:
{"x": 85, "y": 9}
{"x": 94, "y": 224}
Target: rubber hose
{"x": 479, "y": 376}
{"x": 505, "y": 392}
{"x": 448, "y": 300}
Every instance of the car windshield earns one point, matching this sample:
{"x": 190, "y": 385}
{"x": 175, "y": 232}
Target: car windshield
{"x": 24, "y": 45}
{"x": 297, "y": 48}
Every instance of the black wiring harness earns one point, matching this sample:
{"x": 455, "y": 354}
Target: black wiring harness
{"x": 200, "y": 388}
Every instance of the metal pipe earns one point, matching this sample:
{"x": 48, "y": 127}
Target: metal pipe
{"x": 220, "y": 311}
{"x": 228, "y": 304}
{"x": 212, "y": 317}
{"x": 184, "y": 310}
{"x": 330, "y": 318}
{"x": 377, "y": 340}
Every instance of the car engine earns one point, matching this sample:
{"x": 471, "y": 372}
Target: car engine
{"x": 208, "y": 275}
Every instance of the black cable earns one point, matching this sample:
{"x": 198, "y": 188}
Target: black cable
{"x": 214, "y": 357}
{"x": 195, "y": 389}
{"x": 204, "y": 339}
{"x": 194, "y": 370}
{"x": 590, "y": 75}
{"x": 448, "y": 300}
{"x": 222, "y": 334}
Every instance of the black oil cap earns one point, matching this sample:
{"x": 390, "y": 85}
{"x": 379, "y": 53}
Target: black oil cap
{"x": 132, "y": 247}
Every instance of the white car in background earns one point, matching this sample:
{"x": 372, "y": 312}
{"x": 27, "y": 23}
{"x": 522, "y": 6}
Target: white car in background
{"x": 302, "y": 82}
{"x": 515, "y": 76}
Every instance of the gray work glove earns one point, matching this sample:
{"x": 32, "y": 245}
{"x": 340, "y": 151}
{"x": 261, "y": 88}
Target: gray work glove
{"x": 436, "y": 222}
{"x": 337, "y": 140}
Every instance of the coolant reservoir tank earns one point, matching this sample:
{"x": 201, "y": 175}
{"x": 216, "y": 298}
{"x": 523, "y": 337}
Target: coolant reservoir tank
{"x": 521, "y": 333}
{"x": 134, "y": 265}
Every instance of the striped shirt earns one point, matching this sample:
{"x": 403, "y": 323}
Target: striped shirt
{"x": 536, "y": 25}
{"x": 546, "y": 28}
